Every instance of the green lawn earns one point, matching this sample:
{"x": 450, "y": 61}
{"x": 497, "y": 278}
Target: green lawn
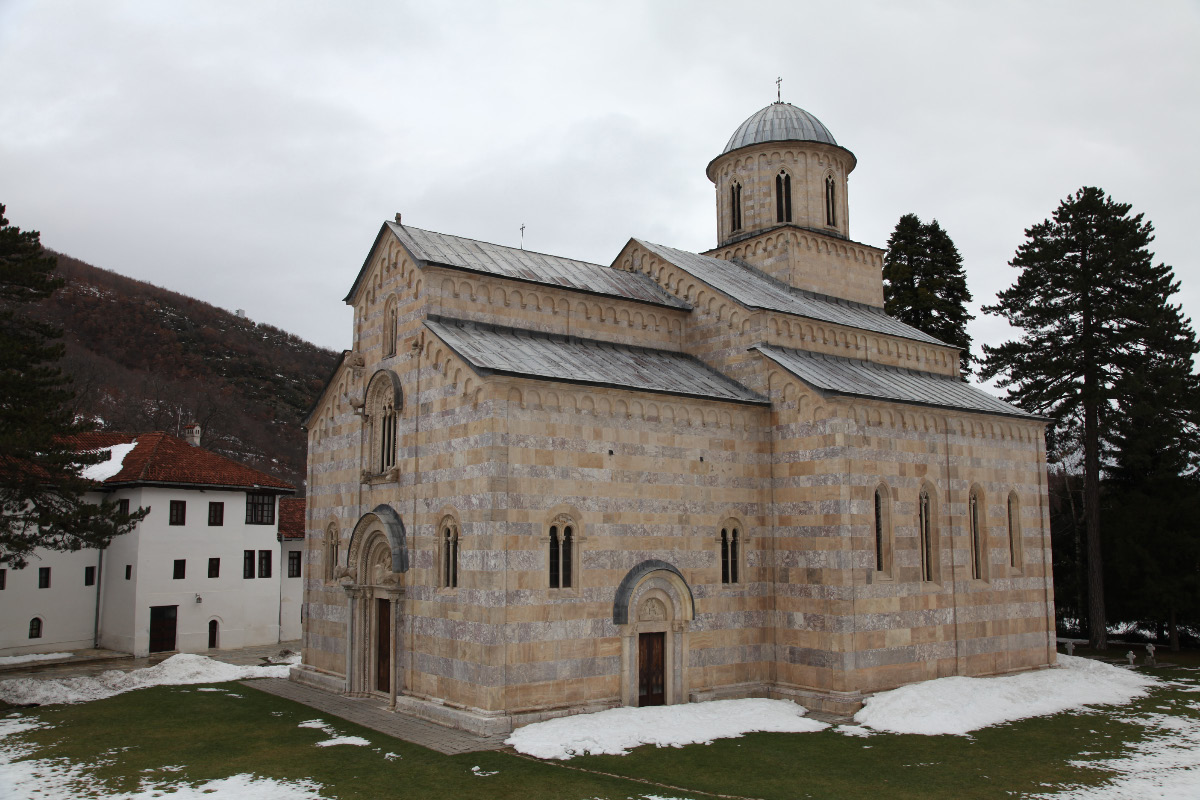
{"x": 217, "y": 734}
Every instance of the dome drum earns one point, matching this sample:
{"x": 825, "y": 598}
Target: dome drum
{"x": 781, "y": 166}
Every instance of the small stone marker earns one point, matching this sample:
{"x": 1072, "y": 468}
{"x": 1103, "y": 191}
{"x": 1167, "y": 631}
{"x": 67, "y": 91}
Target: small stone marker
{"x": 1070, "y": 648}
{"x": 1131, "y": 657}
{"x": 1150, "y": 662}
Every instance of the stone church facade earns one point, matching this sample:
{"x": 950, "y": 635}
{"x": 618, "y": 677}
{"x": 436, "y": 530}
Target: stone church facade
{"x": 539, "y": 486}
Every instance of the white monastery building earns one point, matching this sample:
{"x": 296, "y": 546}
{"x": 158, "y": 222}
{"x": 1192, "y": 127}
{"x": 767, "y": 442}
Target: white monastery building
{"x": 212, "y": 566}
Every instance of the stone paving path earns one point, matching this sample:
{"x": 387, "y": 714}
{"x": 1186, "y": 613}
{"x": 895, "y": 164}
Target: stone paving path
{"x": 373, "y": 714}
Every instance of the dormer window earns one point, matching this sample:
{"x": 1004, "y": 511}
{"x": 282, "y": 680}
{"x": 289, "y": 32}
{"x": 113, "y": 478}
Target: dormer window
{"x": 830, "y": 201}
{"x": 783, "y": 197}
{"x": 735, "y": 207}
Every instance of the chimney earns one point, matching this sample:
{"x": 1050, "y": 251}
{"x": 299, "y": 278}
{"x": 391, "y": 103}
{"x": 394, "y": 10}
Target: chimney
{"x": 398, "y": 218}
{"x": 192, "y": 434}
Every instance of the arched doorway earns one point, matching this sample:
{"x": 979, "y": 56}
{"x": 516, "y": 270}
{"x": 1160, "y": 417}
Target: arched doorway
{"x": 376, "y": 560}
{"x": 213, "y": 634}
{"x": 652, "y": 608}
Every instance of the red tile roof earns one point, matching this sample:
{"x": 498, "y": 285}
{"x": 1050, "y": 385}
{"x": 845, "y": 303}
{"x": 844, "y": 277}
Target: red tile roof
{"x": 160, "y": 458}
{"x": 291, "y": 517}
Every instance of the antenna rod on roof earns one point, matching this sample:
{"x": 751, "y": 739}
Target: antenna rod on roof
{"x": 778, "y": 90}
{"x": 522, "y": 235}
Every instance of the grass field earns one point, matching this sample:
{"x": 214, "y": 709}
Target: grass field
{"x": 182, "y": 734}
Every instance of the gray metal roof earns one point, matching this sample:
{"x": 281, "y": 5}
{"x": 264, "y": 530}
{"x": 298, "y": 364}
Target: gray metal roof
{"x": 848, "y": 376}
{"x": 441, "y": 249}
{"x": 776, "y": 123}
{"x": 755, "y": 289}
{"x": 531, "y": 354}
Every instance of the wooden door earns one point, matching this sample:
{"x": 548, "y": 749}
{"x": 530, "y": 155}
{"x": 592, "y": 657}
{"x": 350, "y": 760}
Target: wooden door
{"x": 212, "y": 634}
{"x": 383, "y": 645}
{"x": 651, "y": 669}
{"x": 162, "y": 628}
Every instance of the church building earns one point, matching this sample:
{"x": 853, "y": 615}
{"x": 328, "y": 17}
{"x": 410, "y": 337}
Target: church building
{"x": 540, "y": 486}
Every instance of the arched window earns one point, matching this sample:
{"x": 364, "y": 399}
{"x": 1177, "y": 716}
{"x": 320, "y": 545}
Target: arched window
{"x": 562, "y": 554}
{"x": 391, "y": 326}
{"x": 731, "y": 552}
{"x": 383, "y": 405}
{"x": 783, "y": 197}
{"x": 388, "y": 425}
{"x": 830, "y": 201}
{"x": 449, "y": 548}
{"x": 35, "y": 628}
{"x": 735, "y": 207}
{"x": 975, "y": 527}
{"x": 331, "y": 551}
{"x": 925, "y": 533}
{"x": 1014, "y": 531}
{"x": 883, "y": 530}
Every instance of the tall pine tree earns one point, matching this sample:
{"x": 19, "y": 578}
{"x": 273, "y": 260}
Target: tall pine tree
{"x": 924, "y": 284}
{"x": 1151, "y": 495}
{"x": 1101, "y": 346}
{"x": 41, "y": 493}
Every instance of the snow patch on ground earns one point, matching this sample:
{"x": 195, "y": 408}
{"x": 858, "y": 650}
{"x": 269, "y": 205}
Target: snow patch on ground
{"x": 332, "y": 732}
{"x": 854, "y": 730}
{"x": 289, "y": 657}
{"x": 319, "y": 724}
{"x": 60, "y": 779}
{"x": 355, "y": 740}
{"x": 7, "y": 660}
{"x": 1165, "y": 764}
{"x": 618, "y": 730}
{"x": 106, "y": 469}
{"x": 184, "y": 668}
{"x": 961, "y": 705}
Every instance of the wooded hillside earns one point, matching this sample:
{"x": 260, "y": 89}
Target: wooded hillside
{"x": 144, "y": 358}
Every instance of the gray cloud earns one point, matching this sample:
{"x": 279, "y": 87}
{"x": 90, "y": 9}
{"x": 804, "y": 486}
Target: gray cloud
{"x": 247, "y": 153}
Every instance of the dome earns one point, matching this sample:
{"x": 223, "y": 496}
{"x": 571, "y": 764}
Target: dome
{"x": 779, "y": 122}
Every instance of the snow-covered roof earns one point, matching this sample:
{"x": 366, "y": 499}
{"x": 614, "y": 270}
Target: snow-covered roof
{"x": 159, "y": 459}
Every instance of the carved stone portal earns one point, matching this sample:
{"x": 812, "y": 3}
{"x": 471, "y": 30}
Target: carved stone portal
{"x": 652, "y": 610}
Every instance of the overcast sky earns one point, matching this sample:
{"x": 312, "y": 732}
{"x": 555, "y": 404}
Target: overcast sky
{"x": 246, "y": 153}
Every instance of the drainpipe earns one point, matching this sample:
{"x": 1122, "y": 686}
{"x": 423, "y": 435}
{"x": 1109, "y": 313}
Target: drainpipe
{"x": 950, "y": 532}
{"x": 282, "y": 576}
{"x": 99, "y": 598}
{"x": 418, "y": 350}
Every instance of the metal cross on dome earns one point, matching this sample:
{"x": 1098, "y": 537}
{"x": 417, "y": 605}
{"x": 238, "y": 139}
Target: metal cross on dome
{"x": 779, "y": 90}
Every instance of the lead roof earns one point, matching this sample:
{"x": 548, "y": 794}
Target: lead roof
{"x": 533, "y": 354}
{"x": 848, "y": 376}
{"x": 776, "y": 123}
{"x": 755, "y": 289}
{"x": 456, "y": 252}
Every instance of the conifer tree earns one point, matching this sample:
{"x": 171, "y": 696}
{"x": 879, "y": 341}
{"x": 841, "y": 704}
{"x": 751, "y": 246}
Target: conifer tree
{"x": 1151, "y": 496}
{"x": 41, "y": 491}
{"x": 924, "y": 284}
{"x": 1102, "y": 351}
